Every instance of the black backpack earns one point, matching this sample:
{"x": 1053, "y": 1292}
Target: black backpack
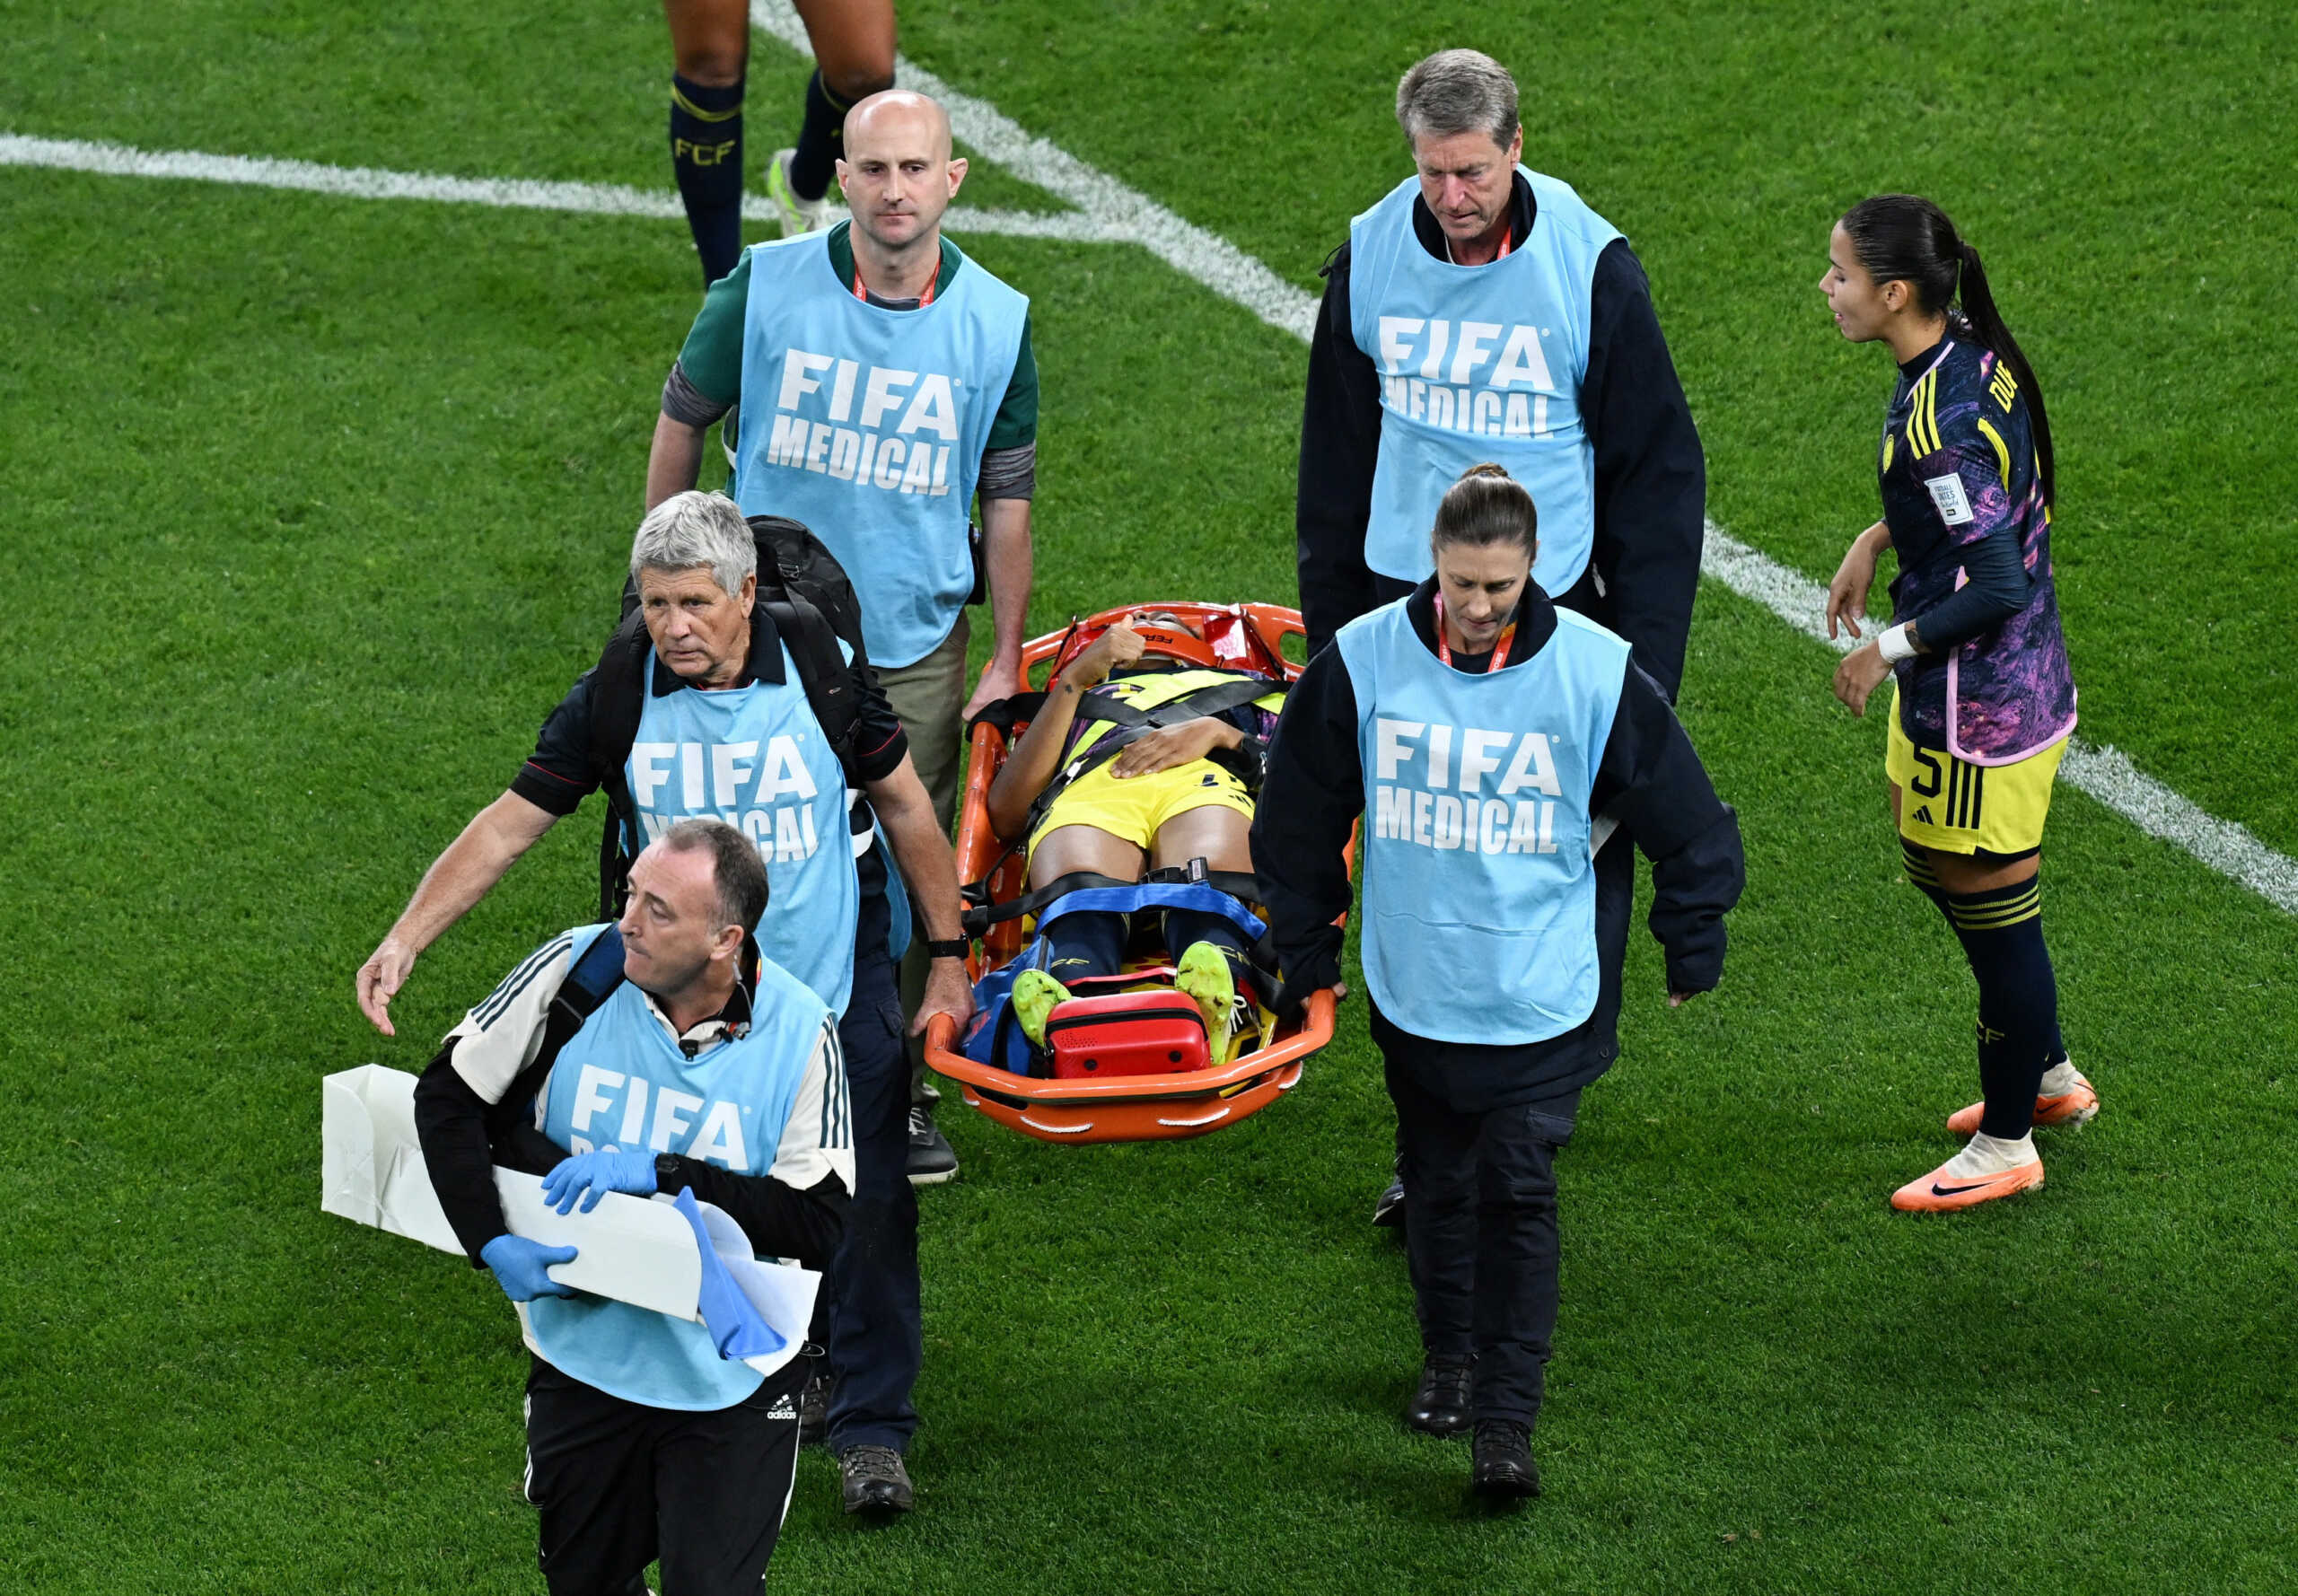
{"x": 804, "y": 592}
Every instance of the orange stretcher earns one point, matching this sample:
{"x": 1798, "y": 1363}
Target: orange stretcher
{"x": 1132, "y": 1108}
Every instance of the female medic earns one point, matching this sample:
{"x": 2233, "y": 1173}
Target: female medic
{"x": 1983, "y": 701}
{"x": 1490, "y": 740}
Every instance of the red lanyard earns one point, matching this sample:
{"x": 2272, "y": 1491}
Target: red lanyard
{"x": 1445, "y": 649}
{"x": 1507, "y": 242}
{"x": 924, "y": 299}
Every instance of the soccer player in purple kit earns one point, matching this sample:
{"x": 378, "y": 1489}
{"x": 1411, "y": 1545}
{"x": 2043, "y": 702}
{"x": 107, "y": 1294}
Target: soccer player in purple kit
{"x": 1984, "y": 700}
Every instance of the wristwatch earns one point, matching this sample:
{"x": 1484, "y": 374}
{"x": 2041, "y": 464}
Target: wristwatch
{"x": 956, "y": 947}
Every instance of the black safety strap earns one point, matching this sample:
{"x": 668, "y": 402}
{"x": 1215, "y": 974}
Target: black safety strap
{"x": 1213, "y": 699}
{"x": 1216, "y": 698}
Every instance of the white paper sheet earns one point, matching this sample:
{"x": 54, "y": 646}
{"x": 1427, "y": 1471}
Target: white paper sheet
{"x": 635, "y": 1249}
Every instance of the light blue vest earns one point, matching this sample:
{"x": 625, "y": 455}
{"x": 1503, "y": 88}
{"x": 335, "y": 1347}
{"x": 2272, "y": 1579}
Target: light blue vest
{"x": 755, "y": 758}
{"x": 1479, "y": 891}
{"x": 621, "y": 1081}
{"x": 1478, "y": 363}
{"x": 868, "y": 425}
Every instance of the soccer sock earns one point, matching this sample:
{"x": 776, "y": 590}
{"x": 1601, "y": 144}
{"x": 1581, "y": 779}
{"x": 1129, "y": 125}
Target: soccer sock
{"x": 1088, "y": 944}
{"x": 822, "y": 139}
{"x": 706, "y": 155}
{"x": 2057, "y": 1080}
{"x": 2002, "y": 934}
{"x": 1986, "y": 1155}
{"x": 1916, "y": 863}
{"x": 1184, "y": 926}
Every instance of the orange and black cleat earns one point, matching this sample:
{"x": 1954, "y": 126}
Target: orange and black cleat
{"x": 1943, "y": 1191}
{"x": 2077, "y": 1105}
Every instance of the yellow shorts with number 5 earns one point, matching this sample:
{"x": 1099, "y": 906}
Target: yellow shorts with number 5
{"x": 1957, "y": 807}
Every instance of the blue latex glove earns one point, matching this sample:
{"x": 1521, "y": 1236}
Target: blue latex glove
{"x": 737, "y": 1329}
{"x": 598, "y": 1173}
{"x": 521, "y": 1268}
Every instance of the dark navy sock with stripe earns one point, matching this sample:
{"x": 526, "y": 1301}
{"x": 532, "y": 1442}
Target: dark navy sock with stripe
{"x": 822, "y": 139}
{"x": 706, "y": 156}
{"x": 1185, "y": 927}
{"x": 1089, "y": 943}
{"x": 1916, "y": 863}
{"x": 2002, "y": 934}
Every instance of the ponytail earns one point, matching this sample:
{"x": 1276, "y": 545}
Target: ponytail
{"x": 1986, "y": 326}
{"x": 1486, "y": 506}
{"x": 1903, "y": 238}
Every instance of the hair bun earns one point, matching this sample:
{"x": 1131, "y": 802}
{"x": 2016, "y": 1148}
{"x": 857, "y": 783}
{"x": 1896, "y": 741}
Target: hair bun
{"x": 1487, "y": 469}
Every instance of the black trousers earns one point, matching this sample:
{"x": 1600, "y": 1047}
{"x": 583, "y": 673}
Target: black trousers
{"x": 620, "y": 1485}
{"x": 877, "y": 1335}
{"x": 1480, "y": 1231}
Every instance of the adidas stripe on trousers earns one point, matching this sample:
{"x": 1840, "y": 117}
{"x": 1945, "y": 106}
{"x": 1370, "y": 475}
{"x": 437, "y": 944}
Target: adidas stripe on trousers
{"x": 620, "y": 1485}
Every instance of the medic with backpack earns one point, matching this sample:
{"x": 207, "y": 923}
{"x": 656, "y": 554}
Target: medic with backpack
{"x": 737, "y": 687}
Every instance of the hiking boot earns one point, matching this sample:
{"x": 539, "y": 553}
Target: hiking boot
{"x": 1504, "y": 1468}
{"x": 876, "y": 1479}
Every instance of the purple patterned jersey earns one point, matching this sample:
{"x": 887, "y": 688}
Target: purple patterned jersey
{"x": 1958, "y": 463}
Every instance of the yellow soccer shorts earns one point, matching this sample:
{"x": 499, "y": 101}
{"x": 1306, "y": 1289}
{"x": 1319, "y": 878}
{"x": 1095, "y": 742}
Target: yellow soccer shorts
{"x": 1136, "y": 807}
{"x": 1957, "y": 807}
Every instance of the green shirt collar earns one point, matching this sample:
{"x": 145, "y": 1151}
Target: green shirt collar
{"x": 841, "y": 259}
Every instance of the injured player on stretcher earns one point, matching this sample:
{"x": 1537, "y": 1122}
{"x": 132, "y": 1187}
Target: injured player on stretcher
{"x": 1144, "y": 757}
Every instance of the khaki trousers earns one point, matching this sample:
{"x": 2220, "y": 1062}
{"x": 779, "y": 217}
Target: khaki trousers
{"x": 927, "y": 696}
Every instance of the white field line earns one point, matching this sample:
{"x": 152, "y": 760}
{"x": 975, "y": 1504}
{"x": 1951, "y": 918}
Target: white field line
{"x": 1126, "y": 215}
{"x": 1114, "y": 213}
{"x": 361, "y": 182}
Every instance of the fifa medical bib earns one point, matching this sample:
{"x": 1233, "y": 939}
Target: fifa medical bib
{"x": 868, "y": 425}
{"x": 1478, "y": 363}
{"x": 755, "y": 758}
{"x": 623, "y": 1082}
{"x": 1479, "y": 888}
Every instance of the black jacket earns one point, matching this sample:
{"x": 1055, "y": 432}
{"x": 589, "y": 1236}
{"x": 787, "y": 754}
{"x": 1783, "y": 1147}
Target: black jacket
{"x": 1649, "y": 780}
{"x": 1650, "y": 480}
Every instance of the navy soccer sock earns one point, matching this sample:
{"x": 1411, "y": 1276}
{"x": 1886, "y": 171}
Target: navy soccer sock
{"x": 1916, "y": 863}
{"x": 1186, "y": 927}
{"x": 2002, "y": 934}
{"x": 1088, "y": 944}
{"x": 706, "y": 155}
{"x": 822, "y": 139}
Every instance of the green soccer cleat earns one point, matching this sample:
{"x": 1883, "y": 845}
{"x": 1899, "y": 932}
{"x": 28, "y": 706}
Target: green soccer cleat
{"x": 1203, "y": 974}
{"x": 798, "y": 216}
{"x": 1034, "y": 995}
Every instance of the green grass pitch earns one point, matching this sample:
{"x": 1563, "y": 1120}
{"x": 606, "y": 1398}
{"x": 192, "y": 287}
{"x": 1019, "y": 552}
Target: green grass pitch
{"x": 313, "y": 507}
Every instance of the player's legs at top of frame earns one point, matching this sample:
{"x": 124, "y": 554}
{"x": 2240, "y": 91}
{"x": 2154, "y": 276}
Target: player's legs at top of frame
{"x": 854, "y": 52}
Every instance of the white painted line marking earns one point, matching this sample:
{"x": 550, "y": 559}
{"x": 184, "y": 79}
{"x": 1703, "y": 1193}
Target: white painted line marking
{"x": 2106, "y": 774}
{"x": 363, "y": 182}
{"x": 1126, "y": 215}
{"x": 1113, "y": 212}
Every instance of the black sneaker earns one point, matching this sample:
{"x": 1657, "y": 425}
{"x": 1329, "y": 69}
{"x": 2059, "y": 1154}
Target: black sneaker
{"x": 1503, "y": 1469}
{"x": 876, "y": 1479}
{"x": 930, "y": 1158}
{"x": 813, "y": 1412}
{"x": 1388, "y": 1208}
{"x": 1440, "y": 1406}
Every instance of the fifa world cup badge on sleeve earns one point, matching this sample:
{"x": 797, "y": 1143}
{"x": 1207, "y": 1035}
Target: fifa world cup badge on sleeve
{"x": 1947, "y": 493}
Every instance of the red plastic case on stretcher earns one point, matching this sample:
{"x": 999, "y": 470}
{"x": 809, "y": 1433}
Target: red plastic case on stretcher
{"x": 1127, "y": 1034}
